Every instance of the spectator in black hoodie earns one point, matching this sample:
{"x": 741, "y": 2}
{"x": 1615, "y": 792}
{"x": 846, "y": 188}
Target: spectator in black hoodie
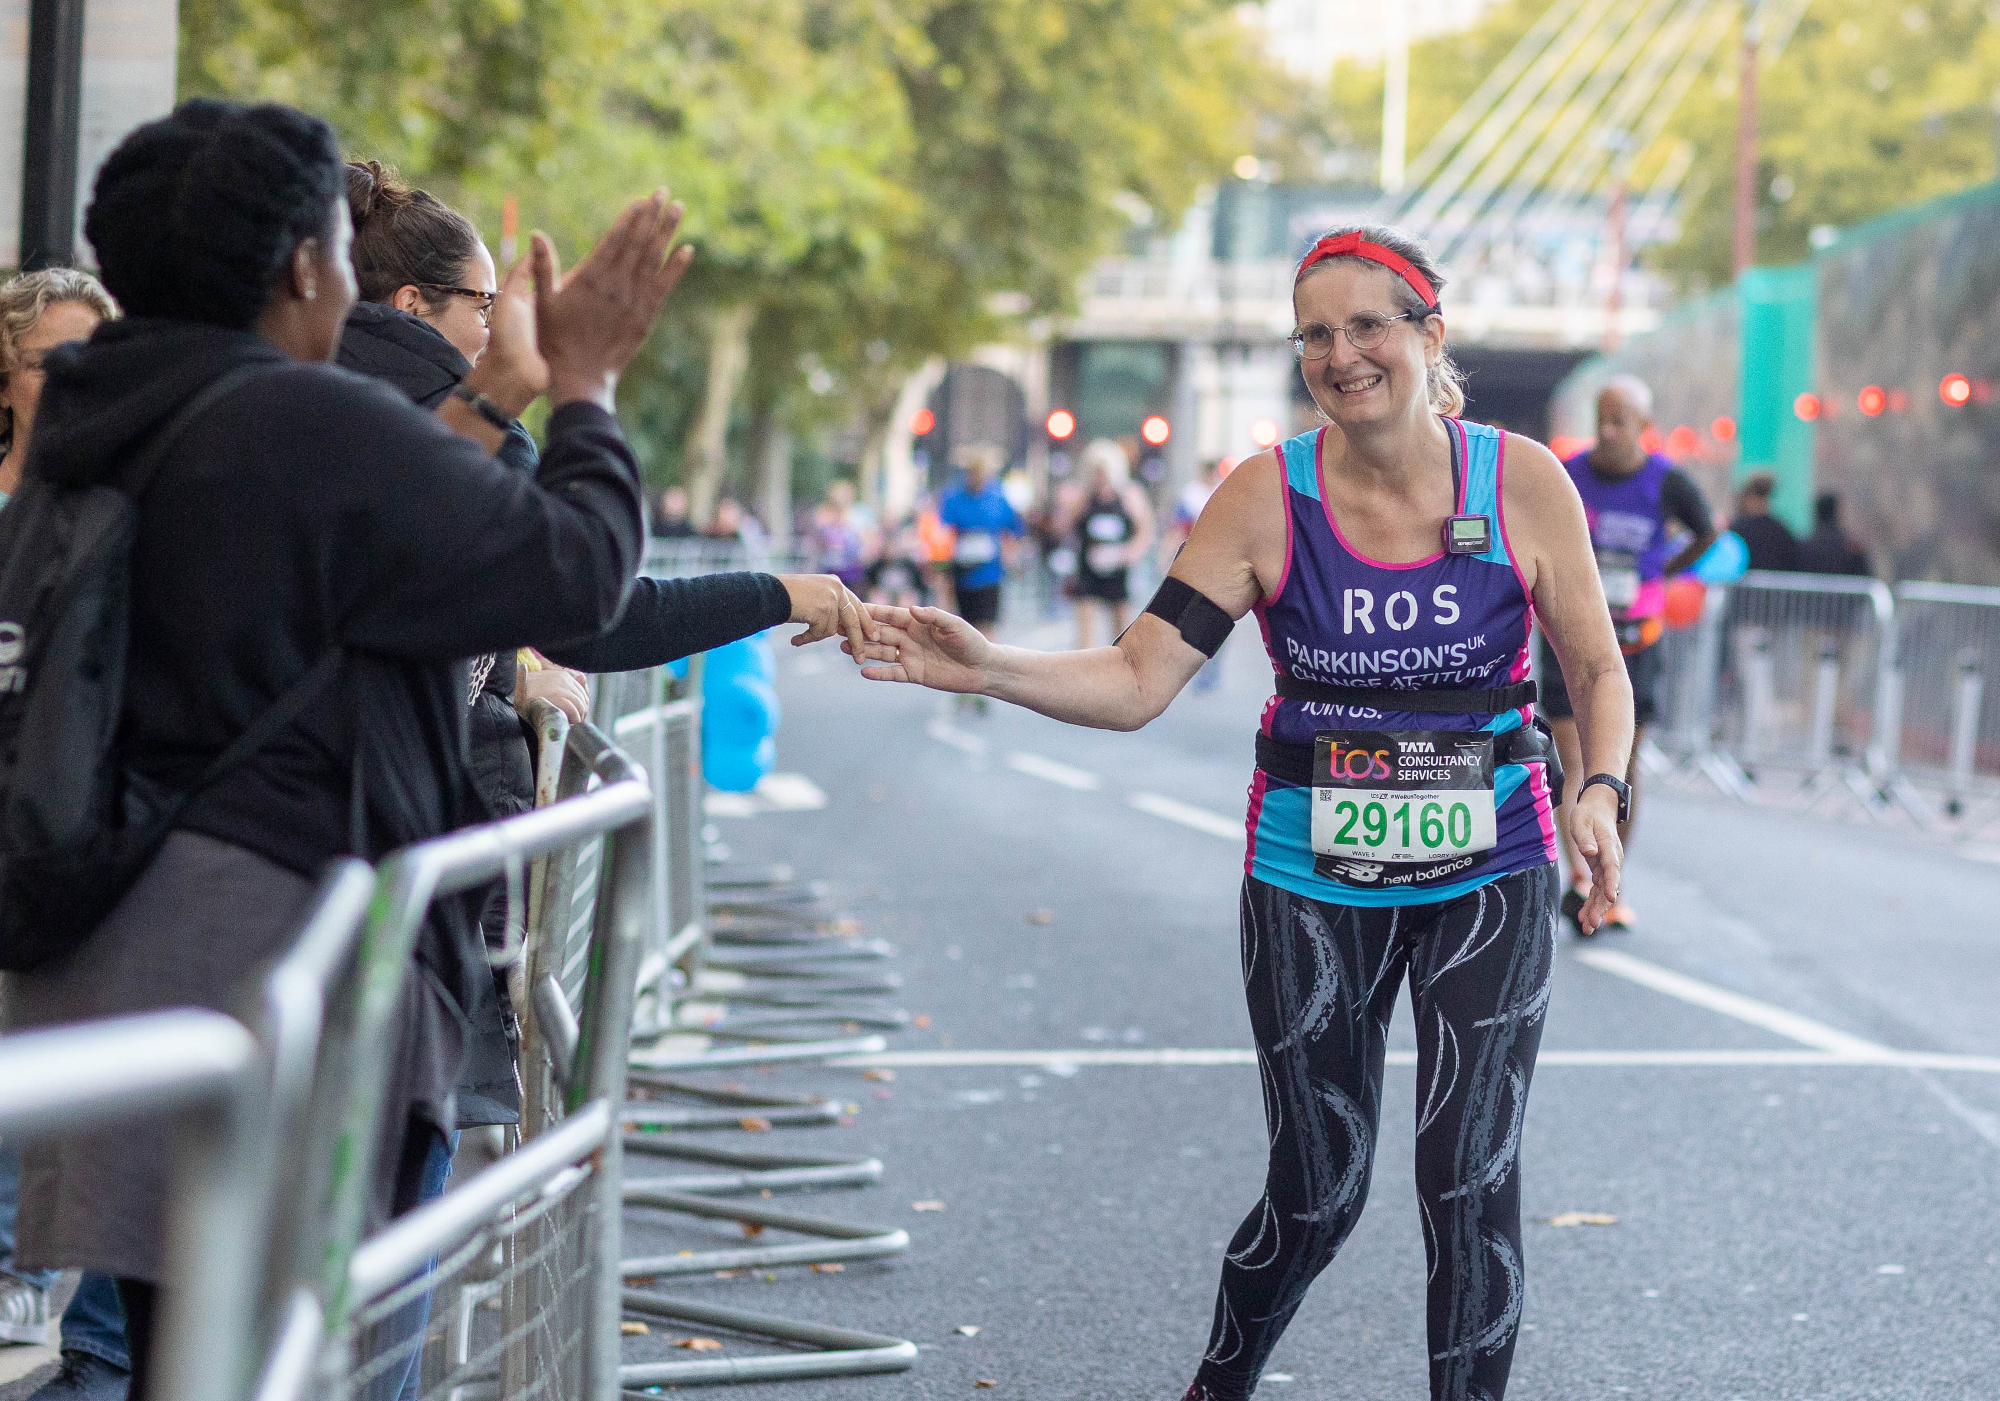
{"x": 308, "y": 514}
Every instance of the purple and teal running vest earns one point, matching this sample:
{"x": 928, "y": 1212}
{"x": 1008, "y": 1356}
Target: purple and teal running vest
{"x": 1627, "y": 524}
{"x": 1446, "y": 622}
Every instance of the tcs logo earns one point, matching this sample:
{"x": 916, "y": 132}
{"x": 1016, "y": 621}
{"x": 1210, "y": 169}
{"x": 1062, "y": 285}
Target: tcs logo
{"x": 1355, "y": 764}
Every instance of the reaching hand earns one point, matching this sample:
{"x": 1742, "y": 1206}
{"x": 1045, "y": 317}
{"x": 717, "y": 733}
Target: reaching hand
{"x": 592, "y": 322}
{"x": 926, "y": 646}
{"x": 825, "y": 606}
{"x": 512, "y": 372}
{"x": 1593, "y": 832}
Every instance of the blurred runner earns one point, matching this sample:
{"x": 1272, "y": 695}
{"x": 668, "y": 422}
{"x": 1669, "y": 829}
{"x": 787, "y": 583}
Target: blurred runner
{"x": 1632, "y": 499}
{"x": 986, "y": 526}
{"x": 1113, "y": 529}
{"x": 897, "y": 574}
{"x": 939, "y": 541}
{"x": 1187, "y": 510}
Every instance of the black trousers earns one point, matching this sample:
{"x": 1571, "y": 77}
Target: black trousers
{"x": 1322, "y": 980}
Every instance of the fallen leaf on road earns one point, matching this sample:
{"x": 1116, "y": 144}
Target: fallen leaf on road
{"x": 633, "y": 1330}
{"x": 832, "y": 1268}
{"x": 1583, "y": 1218}
{"x": 878, "y": 1074}
{"x": 754, "y": 1124}
{"x": 683, "y": 1252}
{"x": 642, "y": 1279}
{"x": 700, "y": 1344}
{"x": 752, "y": 1230}
{"x": 927, "y": 1206}
{"x": 921, "y": 1020}
{"x": 1040, "y": 916}
{"x": 969, "y": 1330}
{"x": 985, "y": 1382}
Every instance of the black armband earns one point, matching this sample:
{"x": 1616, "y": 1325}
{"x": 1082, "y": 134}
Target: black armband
{"x": 1204, "y": 625}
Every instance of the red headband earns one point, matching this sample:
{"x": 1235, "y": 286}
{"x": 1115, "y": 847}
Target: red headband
{"x": 1355, "y": 246}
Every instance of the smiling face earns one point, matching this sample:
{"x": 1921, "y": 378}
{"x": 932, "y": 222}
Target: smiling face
{"x": 1385, "y": 384}
{"x": 458, "y": 317}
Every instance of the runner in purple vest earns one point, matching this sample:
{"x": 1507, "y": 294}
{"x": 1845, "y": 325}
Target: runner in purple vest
{"x": 1634, "y": 500}
{"x": 1401, "y": 821}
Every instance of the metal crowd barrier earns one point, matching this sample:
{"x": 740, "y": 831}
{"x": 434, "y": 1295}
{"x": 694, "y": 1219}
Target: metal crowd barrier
{"x": 285, "y": 1280}
{"x": 516, "y": 1265}
{"x": 1948, "y": 730}
{"x": 1810, "y": 686}
{"x": 202, "y": 1070}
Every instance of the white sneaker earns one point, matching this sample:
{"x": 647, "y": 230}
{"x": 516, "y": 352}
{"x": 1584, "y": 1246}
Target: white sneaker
{"x": 24, "y": 1312}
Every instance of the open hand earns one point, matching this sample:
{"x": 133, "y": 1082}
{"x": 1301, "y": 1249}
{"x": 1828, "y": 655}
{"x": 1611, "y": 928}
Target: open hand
{"x": 925, "y": 646}
{"x": 512, "y": 372}
{"x": 826, "y": 607}
{"x": 592, "y": 322}
{"x": 1593, "y": 832}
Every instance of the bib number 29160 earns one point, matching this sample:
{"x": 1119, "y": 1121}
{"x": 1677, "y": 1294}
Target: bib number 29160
{"x": 1419, "y": 796}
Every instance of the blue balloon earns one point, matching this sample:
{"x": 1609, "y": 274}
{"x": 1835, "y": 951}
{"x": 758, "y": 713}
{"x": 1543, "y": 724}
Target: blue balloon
{"x": 1724, "y": 562}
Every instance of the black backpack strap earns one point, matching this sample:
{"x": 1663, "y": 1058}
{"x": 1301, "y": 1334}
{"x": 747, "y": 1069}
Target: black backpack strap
{"x": 266, "y": 727}
{"x": 138, "y": 474}
{"x": 1421, "y": 702}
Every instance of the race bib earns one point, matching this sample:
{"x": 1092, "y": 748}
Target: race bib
{"x": 1105, "y": 527}
{"x": 976, "y": 547}
{"x": 1395, "y": 797}
{"x": 1105, "y": 559}
{"x": 1619, "y": 574}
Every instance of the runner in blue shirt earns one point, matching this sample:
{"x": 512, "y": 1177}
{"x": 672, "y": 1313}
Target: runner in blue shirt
{"x": 986, "y": 522}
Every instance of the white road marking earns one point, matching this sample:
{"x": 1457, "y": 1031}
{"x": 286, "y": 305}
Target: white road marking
{"x": 1230, "y": 829}
{"x": 944, "y": 732}
{"x": 1777, "y": 1020}
{"x": 1035, "y": 766}
{"x": 1895, "y": 1060}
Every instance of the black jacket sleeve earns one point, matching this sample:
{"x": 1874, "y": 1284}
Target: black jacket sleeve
{"x": 667, "y": 619}
{"x": 458, "y": 554}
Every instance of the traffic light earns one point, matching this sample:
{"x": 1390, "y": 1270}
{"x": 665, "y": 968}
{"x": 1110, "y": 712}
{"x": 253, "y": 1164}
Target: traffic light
{"x": 1156, "y": 430}
{"x": 1061, "y": 425}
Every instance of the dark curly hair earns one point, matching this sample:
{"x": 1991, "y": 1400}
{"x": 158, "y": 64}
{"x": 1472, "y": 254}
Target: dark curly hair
{"x": 404, "y": 237}
{"x": 195, "y": 216}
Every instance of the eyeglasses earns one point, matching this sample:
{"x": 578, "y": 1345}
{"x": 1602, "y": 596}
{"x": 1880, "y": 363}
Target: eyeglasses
{"x": 1363, "y": 332}
{"x": 483, "y": 300}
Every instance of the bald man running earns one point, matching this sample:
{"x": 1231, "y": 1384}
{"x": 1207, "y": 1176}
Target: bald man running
{"x": 1633, "y": 499}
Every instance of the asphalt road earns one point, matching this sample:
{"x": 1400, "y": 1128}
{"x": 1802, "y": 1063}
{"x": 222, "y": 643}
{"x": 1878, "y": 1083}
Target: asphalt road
{"x": 1792, "y": 1222}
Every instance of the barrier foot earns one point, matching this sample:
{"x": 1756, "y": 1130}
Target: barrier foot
{"x": 746, "y": 1171}
{"x": 839, "y": 1352}
{"x": 831, "y": 1241}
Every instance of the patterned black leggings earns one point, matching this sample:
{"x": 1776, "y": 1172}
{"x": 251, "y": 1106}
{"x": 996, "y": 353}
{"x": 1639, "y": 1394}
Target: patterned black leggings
{"x": 1322, "y": 980}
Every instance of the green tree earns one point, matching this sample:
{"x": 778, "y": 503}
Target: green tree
{"x": 1872, "y": 105}
{"x": 871, "y": 183}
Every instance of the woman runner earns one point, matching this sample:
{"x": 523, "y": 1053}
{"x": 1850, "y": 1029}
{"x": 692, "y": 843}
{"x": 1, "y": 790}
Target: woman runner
{"x": 1400, "y": 818}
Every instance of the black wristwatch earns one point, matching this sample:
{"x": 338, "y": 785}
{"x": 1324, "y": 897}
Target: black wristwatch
{"x": 1616, "y": 785}
{"x": 482, "y": 406}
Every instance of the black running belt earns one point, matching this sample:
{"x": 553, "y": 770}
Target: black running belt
{"x": 1530, "y": 744}
{"x": 1421, "y": 702}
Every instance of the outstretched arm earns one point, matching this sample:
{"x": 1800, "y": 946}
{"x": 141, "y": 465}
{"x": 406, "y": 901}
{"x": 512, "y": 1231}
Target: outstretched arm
{"x": 1236, "y": 549}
